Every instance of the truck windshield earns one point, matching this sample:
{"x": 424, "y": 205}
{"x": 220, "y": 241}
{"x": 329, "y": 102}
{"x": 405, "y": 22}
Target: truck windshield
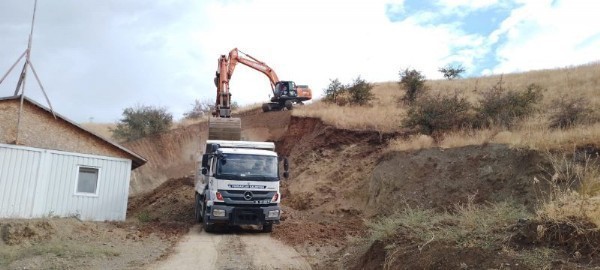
{"x": 248, "y": 167}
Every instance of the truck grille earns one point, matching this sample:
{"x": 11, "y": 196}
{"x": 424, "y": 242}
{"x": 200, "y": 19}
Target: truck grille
{"x": 247, "y": 197}
{"x": 247, "y": 216}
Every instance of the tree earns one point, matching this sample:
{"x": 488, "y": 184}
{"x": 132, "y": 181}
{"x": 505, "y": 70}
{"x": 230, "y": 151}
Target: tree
{"x": 200, "y": 108}
{"x": 141, "y": 121}
{"x": 360, "y": 91}
{"x": 333, "y": 91}
{"x": 452, "y": 72}
{"x": 413, "y": 83}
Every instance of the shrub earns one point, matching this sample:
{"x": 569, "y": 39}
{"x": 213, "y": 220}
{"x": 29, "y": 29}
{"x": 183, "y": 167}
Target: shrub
{"x": 413, "y": 83}
{"x": 359, "y": 92}
{"x": 333, "y": 91}
{"x": 503, "y": 107}
{"x": 141, "y": 121}
{"x": 439, "y": 113}
{"x": 200, "y": 108}
{"x": 568, "y": 112}
{"x": 452, "y": 72}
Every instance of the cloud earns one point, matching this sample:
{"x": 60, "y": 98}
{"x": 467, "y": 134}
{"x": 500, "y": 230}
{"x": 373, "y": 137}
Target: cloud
{"x": 97, "y": 58}
{"x": 549, "y": 34}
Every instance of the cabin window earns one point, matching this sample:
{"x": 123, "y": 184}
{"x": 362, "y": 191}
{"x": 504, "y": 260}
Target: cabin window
{"x": 87, "y": 180}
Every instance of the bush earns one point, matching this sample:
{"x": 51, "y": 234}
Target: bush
{"x": 413, "y": 83}
{"x": 569, "y": 111}
{"x": 359, "y": 92}
{"x": 504, "y": 107}
{"x": 200, "y": 108}
{"x": 436, "y": 114}
{"x": 333, "y": 91}
{"x": 141, "y": 121}
{"x": 452, "y": 72}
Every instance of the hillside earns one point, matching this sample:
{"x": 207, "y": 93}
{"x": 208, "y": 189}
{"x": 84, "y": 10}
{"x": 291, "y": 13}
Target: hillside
{"x": 365, "y": 193}
{"x": 386, "y": 113}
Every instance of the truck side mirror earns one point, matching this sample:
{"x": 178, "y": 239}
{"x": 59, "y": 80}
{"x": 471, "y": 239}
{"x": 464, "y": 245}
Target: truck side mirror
{"x": 205, "y": 161}
{"x": 286, "y": 164}
{"x": 286, "y": 174}
{"x": 204, "y": 170}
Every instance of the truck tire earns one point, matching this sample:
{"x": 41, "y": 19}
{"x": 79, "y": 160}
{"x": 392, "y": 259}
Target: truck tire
{"x": 267, "y": 228}
{"x": 209, "y": 228}
{"x": 198, "y": 209}
{"x": 289, "y": 105}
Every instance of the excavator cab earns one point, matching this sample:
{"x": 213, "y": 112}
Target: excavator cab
{"x": 285, "y": 90}
{"x": 285, "y": 94}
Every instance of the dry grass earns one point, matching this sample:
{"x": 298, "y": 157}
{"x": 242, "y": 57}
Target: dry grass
{"x": 469, "y": 225}
{"x": 386, "y": 114}
{"x": 574, "y": 189}
{"x": 383, "y": 115}
{"x": 580, "y": 81}
{"x": 415, "y": 142}
{"x": 530, "y": 134}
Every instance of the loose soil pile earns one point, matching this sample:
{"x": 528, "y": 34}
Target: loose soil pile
{"x": 441, "y": 178}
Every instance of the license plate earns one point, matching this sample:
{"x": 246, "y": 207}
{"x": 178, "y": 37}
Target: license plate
{"x": 262, "y": 201}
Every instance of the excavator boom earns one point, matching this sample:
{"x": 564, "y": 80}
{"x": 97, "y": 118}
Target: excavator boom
{"x": 285, "y": 94}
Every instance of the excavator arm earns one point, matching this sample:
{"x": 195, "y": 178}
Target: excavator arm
{"x": 234, "y": 58}
{"x": 285, "y": 93}
{"x": 226, "y": 67}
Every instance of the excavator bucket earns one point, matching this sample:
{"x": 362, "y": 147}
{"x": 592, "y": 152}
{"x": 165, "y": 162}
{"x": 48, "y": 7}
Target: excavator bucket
{"x": 224, "y": 129}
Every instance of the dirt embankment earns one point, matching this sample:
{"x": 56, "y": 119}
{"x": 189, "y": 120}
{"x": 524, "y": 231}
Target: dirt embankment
{"x": 441, "y": 178}
{"x": 174, "y": 154}
{"x": 171, "y": 154}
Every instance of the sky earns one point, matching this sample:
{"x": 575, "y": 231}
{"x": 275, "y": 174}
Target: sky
{"x": 95, "y": 58}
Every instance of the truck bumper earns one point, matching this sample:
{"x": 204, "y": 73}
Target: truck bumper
{"x": 240, "y": 215}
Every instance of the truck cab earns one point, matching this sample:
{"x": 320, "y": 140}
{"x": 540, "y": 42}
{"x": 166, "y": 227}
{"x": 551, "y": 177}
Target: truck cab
{"x": 237, "y": 183}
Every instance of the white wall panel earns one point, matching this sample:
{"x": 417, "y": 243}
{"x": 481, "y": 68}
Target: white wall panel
{"x": 18, "y": 178}
{"x": 38, "y": 183}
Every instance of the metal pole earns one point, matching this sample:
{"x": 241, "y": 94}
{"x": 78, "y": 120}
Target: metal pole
{"x": 42, "y": 87}
{"x": 24, "y": 74}
{"x": 13, "y": 66}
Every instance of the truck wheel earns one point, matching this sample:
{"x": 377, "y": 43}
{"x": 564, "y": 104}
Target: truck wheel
{"x": 266, "y": 107}
{"x": 209, "y": 228}
{"x": 289, "y": 105}
{"x": 198, "y": 210}
{"x": 267, "y": 228}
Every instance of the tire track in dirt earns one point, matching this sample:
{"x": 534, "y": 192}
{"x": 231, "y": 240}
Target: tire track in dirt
{"x": 236, "y": 250}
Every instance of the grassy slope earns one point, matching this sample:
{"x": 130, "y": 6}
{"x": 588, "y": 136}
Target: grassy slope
{"x": 386, "y": 114}
{"x": 487, "y": 227}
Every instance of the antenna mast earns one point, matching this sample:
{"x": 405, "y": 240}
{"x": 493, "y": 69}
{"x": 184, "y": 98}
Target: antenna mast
{"x": 21, "y": 83}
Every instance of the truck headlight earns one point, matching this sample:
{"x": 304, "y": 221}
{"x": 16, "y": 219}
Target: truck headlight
{"x": 218, "y": 213}
{"x": 274, "y": 213}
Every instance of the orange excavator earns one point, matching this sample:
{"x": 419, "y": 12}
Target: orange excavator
{"x": 285, "y": 94}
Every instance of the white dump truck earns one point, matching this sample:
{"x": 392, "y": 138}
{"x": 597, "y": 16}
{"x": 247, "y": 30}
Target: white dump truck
{"x": 237, "y": 183}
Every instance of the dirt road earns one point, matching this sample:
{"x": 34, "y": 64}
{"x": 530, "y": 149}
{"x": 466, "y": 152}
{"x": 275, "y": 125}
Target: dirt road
{"x": 232, "y": 250}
